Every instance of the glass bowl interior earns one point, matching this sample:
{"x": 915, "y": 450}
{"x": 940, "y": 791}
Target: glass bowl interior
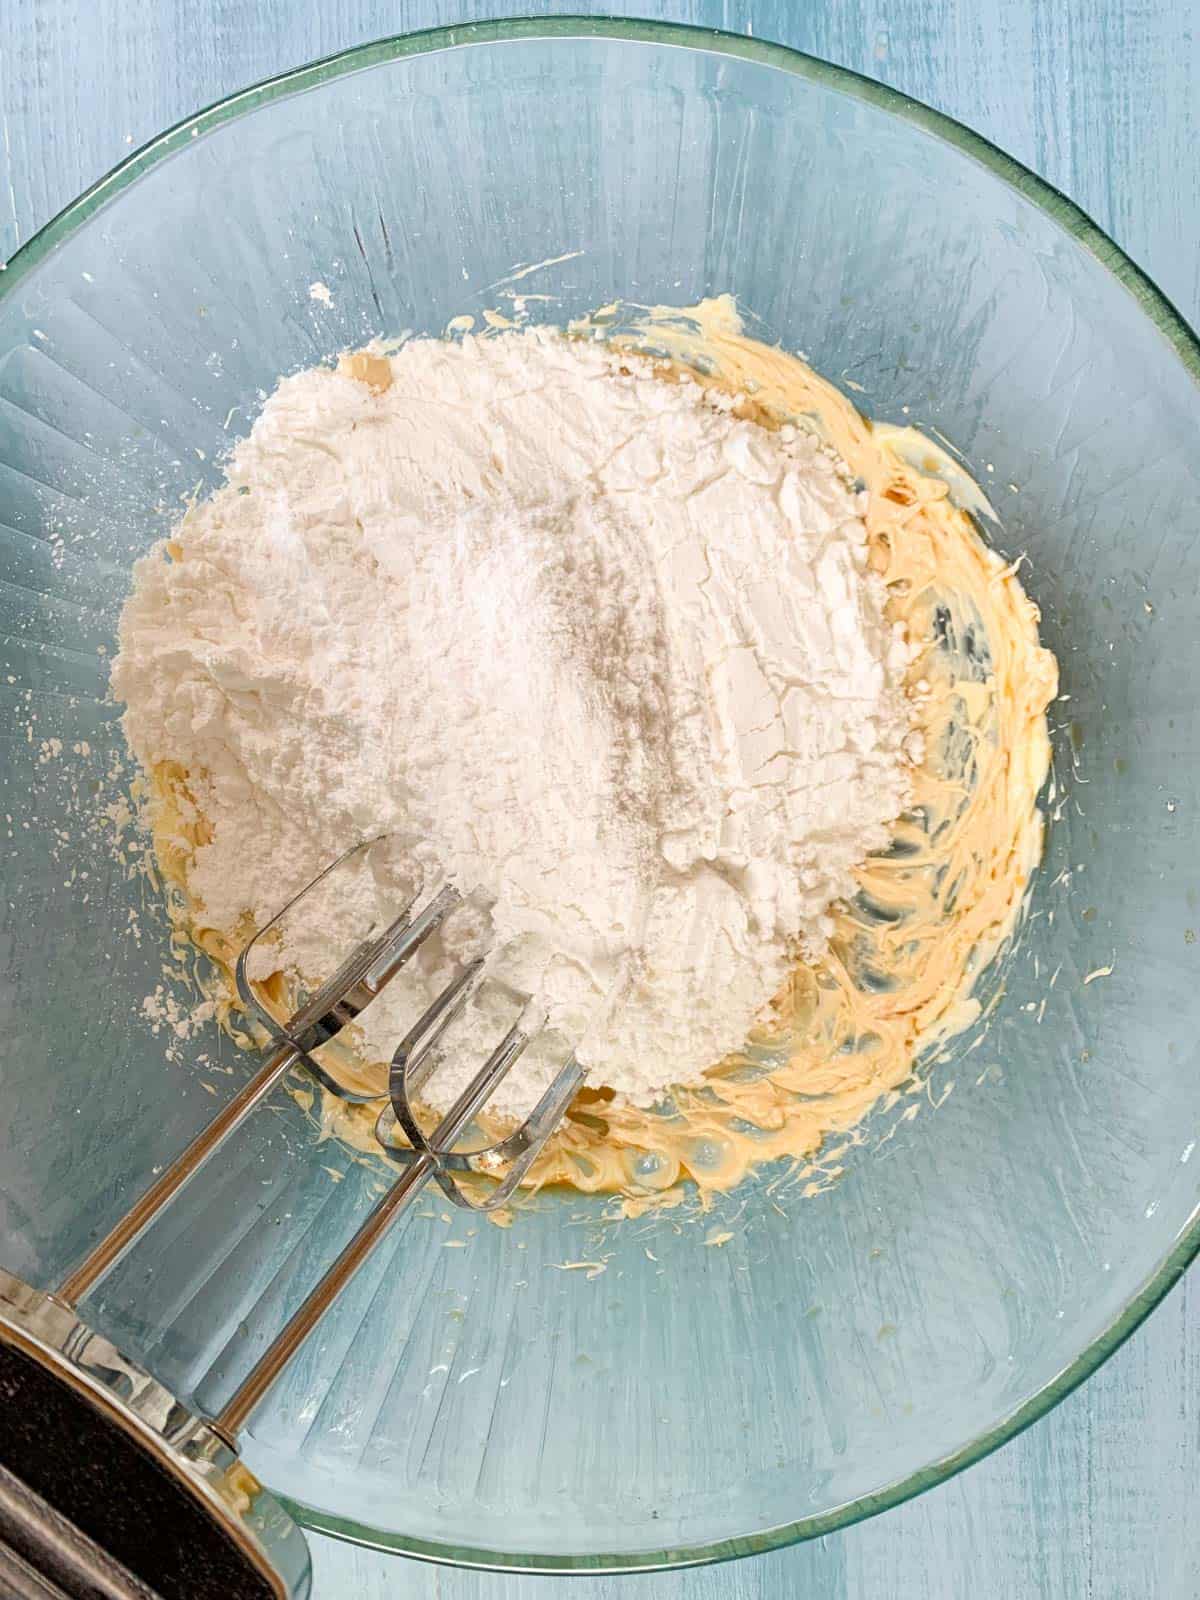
{"x": 668, "y": 1398}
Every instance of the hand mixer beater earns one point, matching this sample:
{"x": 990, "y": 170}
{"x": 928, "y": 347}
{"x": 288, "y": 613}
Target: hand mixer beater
{"x": 175, "y": 1512}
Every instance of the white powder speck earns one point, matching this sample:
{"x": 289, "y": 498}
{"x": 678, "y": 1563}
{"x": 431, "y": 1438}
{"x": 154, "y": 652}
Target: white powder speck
{"x": 320, "y": 292}
{"x": 166, "y": 1012}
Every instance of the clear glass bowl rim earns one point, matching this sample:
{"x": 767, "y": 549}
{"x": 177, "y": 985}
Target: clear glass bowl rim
{"x": 1068, "y": 216}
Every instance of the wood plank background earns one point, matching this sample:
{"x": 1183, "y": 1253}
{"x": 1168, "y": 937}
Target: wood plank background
{"x": 1101, "y": 97}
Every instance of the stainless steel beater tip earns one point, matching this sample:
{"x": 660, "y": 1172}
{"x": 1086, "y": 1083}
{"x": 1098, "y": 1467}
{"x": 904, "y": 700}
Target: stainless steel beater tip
{"x": 368, "y": 968}
{"x": 411, "y": 1066}
{"x": 366, "y": 971}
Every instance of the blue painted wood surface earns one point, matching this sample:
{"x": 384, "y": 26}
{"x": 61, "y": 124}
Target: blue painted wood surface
{"x": 1101, "y": 97}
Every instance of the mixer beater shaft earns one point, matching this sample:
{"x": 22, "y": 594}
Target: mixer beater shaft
{"x": 43, "y": 1341}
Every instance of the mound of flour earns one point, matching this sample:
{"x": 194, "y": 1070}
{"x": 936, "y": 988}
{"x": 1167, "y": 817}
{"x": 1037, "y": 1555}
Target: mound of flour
{"x": 572, "y": 637}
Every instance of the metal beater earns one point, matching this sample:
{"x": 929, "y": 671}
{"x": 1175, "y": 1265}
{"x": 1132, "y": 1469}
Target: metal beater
{"x": 52, "y": 1363}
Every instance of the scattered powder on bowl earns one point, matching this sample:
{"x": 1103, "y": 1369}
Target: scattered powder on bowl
{"x": 571, "y": 636}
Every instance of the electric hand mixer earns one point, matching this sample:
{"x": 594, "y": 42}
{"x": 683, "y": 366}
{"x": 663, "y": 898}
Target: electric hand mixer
{"x": 174, "y": 1511}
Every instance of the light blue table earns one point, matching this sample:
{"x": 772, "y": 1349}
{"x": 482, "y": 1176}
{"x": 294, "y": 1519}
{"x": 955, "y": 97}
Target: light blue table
{"x": 1102, "y": 98}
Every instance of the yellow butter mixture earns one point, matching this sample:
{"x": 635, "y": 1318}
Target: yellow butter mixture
{"x": 902, "y": 971}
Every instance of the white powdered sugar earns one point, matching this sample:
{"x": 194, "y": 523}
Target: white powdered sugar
{"x": 570, "y": 636}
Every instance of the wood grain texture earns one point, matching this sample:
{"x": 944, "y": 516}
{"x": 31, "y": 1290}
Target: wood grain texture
{"x": 1101, "y": 97}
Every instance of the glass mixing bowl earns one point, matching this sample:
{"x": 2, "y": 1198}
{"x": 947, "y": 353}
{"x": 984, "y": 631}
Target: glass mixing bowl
{"x": 677, "y": 1399}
